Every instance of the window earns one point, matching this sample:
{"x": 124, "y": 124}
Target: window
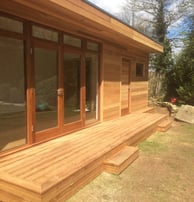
{"x": 92, "y": 46}
{"x": 91, "y": 108}
{"x": 43, "y": 33}
{"x": 11, "y": 25}
{"x": 72, "y": 41}
{"x": 72, "y": 63}
{"x": 12, "y": 94}
{"x": 66, "y": 95}
{"x": 46, "y": 88}
{"x": 139, "y": 70}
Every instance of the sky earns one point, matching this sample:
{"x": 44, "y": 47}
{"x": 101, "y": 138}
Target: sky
{"x": 112, "y": 6}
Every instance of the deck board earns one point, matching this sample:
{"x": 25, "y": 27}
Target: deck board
{"x": 68, "y": 159}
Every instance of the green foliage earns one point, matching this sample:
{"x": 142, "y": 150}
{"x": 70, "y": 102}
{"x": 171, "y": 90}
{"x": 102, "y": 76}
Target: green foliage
{"x": 161, "y": 63}
{"x": 180, "y": 78}
{"x": 152, "y": 145}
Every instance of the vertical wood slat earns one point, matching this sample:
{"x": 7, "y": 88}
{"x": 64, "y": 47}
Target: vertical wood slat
{"x": 29, "y": 84}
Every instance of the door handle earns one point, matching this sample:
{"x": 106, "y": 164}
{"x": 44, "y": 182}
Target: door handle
{"x": 60, "y": 92}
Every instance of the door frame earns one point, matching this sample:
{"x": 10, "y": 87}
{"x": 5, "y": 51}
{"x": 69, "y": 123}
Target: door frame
{"x": 48, "y": 133}
{"x": 76, "y": 125}
{"x": 30, "y": 42}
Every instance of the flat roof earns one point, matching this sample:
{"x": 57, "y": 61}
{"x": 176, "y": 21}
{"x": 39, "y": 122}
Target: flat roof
{"x": 83, "y": 18}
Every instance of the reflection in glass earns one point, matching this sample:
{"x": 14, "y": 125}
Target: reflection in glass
{"x": 92, "y": 46}
{"x": 91, "y": 88}
{"x": 72, "y": 41}
{"x": 139, "y": 69}
{"x": 72, "y": 87}
{"x": 11, "y": 25}
{"x": 44, "y": 33}
{"x": 46, "y": 88}
{"x": 12, "y": 94}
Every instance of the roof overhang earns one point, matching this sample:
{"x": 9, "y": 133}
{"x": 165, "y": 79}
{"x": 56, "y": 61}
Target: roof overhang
{"x": 80, "y": 17}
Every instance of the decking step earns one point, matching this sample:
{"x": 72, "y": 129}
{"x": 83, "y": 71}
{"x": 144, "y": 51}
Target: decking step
{"x": 121, "y": 160}
{"x": 164, "y": 125}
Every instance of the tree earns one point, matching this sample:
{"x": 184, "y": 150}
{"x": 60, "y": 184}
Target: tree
{"x": 180, "y": 78}
{"x": 161, "y": 16}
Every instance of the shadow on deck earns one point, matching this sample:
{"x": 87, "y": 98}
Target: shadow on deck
{"x": 55, "y": 170}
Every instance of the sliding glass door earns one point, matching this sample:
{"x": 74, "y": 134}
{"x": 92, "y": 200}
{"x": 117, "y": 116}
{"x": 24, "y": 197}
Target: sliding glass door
{"x": 12, "y": 94}
{"x": 91, "y": 109}
{"x": 45, "y": 61}
{"x": 72, "y": 88}
{"x": 48, "y": 82}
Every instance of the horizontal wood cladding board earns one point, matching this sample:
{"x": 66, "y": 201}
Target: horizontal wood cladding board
{"x": 139, "y": 95}
{"x": 139, "y": 88}
{"x": 111, "y": 113}
{"x": 111, "y": 84}
{"x": 130, "y": 52}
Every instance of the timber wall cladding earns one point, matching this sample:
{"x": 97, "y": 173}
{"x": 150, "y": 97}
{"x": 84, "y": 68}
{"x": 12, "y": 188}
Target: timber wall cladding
{"x": 139, "y": 95}
{"x": 112, "y": 63}
{"x": 111, "y": 86}
{"x": 139, "y": 86}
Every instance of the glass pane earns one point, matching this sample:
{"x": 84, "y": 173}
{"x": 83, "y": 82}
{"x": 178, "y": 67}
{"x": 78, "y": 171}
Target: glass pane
{"x": 92, "y": 46}
{"x": 72, "y": 41}
{"x": 11, "y": 25}
{"x": 72, "y": 87}
{"x": 44, "y": 33}
{"x": 46, "y": 88}
{"x": 139, "y": 69}
{"x": 91, "y": 88}
{"x": 12, "y": 94}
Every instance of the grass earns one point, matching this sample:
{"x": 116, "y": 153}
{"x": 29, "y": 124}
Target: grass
{"x": 152, "y": 145}
{"x": 164, "y": 172}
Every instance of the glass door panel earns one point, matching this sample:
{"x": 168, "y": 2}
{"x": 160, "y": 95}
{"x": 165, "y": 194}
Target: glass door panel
{"x": 12, "y": 94}
{"x": 91, "y": 108}
{"x": 46, "y": 88}
{"x": 72, "y": 104}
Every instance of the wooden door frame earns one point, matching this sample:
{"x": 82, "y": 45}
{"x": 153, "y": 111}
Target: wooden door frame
{"x": 30, "y": 42}
{"x": 49, "y": 133}
{"x": 69, "y": 127}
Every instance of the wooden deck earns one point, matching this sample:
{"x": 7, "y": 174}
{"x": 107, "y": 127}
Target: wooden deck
{"x": 55, "y": 170}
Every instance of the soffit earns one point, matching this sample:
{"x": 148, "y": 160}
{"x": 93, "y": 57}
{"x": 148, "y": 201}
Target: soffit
{"x": 79, "y": 17}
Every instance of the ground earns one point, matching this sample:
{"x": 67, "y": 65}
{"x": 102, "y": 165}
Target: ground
{"x": 164, "y": 172}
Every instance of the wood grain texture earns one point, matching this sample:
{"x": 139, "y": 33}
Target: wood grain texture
{"x": 121, "y": 160}
{"x": 139, "y": 95}
{"x": 125, "y": 87}
{"x": 80, "y": 17}
{"x": 56, "y": 169}
{"x": 164, "y": 125}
